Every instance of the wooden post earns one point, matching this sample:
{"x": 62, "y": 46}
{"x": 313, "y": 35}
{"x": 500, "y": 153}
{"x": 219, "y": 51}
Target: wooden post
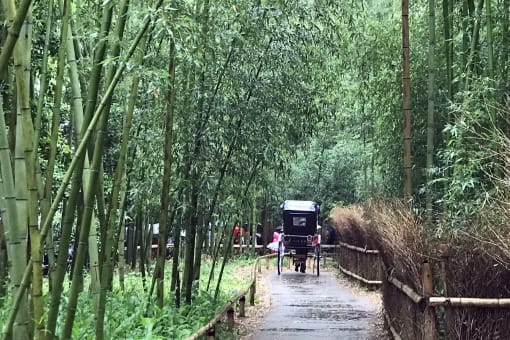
{"x": 252, "y": 294}
{"x": 429, "y": 320}
{"x": 260, "y": 266}
{"x": 267, "y": 262}
{"x": 447, "y": 311}
{"x": 242, "y": 302}
{"x": 211, "y": 333}
{"x": 230, "y": 318}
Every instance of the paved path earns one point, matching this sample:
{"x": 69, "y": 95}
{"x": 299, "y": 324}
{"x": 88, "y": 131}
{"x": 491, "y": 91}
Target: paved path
{"x": 305, "y": 306}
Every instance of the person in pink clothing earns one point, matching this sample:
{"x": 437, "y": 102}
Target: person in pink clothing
{"x": 276, "y": 235}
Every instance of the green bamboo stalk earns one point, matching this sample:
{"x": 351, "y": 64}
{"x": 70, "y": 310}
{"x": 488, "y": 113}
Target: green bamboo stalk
{"x": 111, "y": 216}
{"x": 490, "y": 44}
{"x": 95, "y": 281}
{"x": 78, "y": 153}
{"x": 474, "y": 44}
{"x": 225, "y": 259}
{"x": 58, "y": 272}
{"x": 3, "y": 258}
{"x": 109, "y": 246}
{"x": 448, "y": 46}
{"x": 10, "y": 216}
{"x": 22, "y": 54}
{"x": 44, "y": 75}
{"x": 163, "y": 217}
{"x": 215, "y": 257}
{"x": 17, "y": 17}
{"x": 23, "y": 130}
{"x": 88, "y": 206}
{"x": 505, "y": 61}
{"x": 430, "y": 111}
{"x": 120, "y": 244}
{"x": 55, "y": 127}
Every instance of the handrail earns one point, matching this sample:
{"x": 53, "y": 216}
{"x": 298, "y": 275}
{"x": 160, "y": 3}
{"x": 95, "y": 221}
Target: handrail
{"x": 203, "y": 330}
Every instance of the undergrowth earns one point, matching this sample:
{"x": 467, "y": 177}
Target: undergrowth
{"x": 130, "y": 316}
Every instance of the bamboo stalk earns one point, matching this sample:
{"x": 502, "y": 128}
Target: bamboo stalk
{"x": 359, "y": 278}
{"x": 79, "y": 150}
{"x": 469, "y": 302}
{"x": 13, "y": 36}
{"x": 358, "y": 249}
{"x": 393, "y": 331}
{"x": 415, "y": 297}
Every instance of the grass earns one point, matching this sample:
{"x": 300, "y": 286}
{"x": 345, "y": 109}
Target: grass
{"x": 128, "y": 318}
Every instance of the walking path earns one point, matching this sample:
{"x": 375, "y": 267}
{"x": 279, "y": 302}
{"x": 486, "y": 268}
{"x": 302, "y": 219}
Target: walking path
{"x": 305, "y": 306}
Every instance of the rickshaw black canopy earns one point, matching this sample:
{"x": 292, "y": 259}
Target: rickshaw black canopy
{"x": 299, "y": 222}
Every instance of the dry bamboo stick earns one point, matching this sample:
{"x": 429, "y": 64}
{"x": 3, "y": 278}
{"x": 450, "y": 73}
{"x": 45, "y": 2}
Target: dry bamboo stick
{"x": 469, "y": 302}
{"x": 357, "y": 277}
{"x": 358, "y": 249}
{"x": 415, "y": 297}
{"x": 393, "y": 331}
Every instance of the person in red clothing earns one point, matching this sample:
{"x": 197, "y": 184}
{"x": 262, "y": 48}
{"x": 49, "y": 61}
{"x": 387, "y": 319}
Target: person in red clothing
{"x": 317, "y": 238}
{"x": 236, "y": 234}
{"x": 244, "y": 230}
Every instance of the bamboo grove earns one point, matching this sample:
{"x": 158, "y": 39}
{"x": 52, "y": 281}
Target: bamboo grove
{"x": 122, "y": 114}
{"x": 200, "y": 114}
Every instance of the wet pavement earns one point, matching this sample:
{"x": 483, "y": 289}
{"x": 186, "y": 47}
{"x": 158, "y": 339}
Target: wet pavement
{"x": 305, "y": 306}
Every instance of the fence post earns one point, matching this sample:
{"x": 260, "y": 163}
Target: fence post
{"x": 429, "y": 320}
{"x": 252, "y": 294}
{"x": 242, "y": 302}
{"x": 260, "y": 266}
{"x": 230, "y": 318}
{"x": 211, "y": 333}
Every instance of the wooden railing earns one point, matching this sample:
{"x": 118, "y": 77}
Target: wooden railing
{"x": 359, "y": 263}
{"x": 365, "y": 265}
{"x": 228, "y": 309}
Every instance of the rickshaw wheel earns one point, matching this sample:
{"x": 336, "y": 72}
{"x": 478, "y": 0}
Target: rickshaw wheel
{"x": 278, "y": 262}
{"x": 318, "y": 259}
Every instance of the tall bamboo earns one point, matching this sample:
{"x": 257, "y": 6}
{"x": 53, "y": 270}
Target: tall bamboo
{"x": 195, "y": 170}
{"x": 490, "y": 39}
{"x": 10, "y": 216}
{"x": 430, "y": 110}
{"x": 120, "y": 244}
{"x": 505, "y": 61}
{"x": 167, "y": 167}
{"x": 3, "y": 256}
{"x": 45, "y": 198}
{"x": 23, "y": 130}
{"x": 473, "y": 50}
{"x": 406, "y": 104}
{"x": 111, "y": 217}
{"x": 17, "y": 17}
{"x": 109, "y": 246}
{"x": 58, "y": 273}
{"x": 448, "y": 45}
{"x": 89, "y": 190}
{"x": 55, "y": 126}
{"x": 74, "y": 162}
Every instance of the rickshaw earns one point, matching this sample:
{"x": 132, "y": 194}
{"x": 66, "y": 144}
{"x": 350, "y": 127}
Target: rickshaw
{"x": 300, "y": 224}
